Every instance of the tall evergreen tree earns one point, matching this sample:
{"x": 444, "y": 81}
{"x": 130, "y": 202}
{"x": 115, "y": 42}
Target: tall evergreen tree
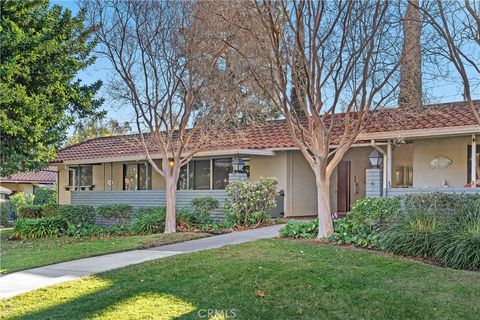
{"x": 43, "y": 48}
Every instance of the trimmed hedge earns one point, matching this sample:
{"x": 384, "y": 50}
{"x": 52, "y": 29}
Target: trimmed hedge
{"x": 78, "y": 214}
{"x": 120, "y": 213}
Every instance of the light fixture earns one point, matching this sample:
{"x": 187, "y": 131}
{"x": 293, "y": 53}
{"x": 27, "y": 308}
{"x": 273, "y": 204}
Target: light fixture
{"x": 171, "y": 163}
{"x": 237, "y": 164}
{"x": 376, "y": 159}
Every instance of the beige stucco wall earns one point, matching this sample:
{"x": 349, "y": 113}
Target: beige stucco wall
{"x": 424, "y": 151}
{"x": 18, "y": 187}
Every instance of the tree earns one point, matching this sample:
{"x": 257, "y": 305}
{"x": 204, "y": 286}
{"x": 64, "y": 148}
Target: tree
{"x": 167, "y": 71}
{"x": 458, "y": 26}
{"x": 43, "y": 49}
{"x": 98, "y": 127}
{"x": 411, "y": 94}
{"x": 349, "y": 54}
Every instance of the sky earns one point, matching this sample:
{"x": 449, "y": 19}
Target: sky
{"x": 441, "y": 90}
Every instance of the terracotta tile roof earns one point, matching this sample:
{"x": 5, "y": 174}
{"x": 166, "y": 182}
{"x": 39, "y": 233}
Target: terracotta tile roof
{"x": 47, "y": 176}
{"x": 275, "y": 134}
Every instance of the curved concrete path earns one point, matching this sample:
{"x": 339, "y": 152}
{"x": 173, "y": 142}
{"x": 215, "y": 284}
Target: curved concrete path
{"x": 23, "y": 281}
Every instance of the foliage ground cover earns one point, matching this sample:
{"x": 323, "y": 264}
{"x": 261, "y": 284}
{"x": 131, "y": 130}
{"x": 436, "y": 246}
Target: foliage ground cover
{"x": 268, "y": 279}
{"x": 20, "y": 255}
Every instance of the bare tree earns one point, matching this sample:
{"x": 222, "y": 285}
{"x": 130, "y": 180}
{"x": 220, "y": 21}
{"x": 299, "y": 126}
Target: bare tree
{"x": 411, "y": 68}
{"x": 165, "y": 69}
{"x": 344, "y": 56}
{"x": 457, "y": 24}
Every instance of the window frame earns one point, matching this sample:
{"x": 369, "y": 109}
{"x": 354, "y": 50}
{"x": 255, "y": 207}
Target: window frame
{"x": 78, "y": 176}
{"x": 148, "y": 176}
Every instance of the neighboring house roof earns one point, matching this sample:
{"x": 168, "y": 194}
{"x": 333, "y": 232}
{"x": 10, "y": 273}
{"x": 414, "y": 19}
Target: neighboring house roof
{"x": 4, "y": 190}
{"x": 47, "y": 176}
{"x": 275, "y": 135}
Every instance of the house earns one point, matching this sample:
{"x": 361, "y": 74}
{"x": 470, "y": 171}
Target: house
{"x": 398, "y": 152}
{"x": 27, "y": 182}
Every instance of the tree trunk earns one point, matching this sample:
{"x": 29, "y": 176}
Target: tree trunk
{"x": 325, "y": 223}
{"x": 170, "y": 219}
{"x": 411, "y": 93}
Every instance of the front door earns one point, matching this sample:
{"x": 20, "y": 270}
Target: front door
{"x": 343, "y": 186}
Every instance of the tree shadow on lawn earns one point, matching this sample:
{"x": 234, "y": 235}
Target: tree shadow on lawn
{"x": 300, "y": 282}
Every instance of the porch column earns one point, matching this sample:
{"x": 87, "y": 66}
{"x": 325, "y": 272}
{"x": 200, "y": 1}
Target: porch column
{"x": 474, "y": 162}
{"x": 389, "y": 164}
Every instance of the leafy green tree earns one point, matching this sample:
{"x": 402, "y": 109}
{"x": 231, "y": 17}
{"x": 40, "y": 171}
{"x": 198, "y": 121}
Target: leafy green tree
{"x": 97, "y": 127}
{"x": 43, "y": 48}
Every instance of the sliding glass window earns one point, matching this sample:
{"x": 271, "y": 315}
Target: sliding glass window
{"x": 137, "y": 176}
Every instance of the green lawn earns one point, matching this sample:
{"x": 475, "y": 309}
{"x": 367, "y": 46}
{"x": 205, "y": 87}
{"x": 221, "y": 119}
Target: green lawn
{"x": 20, "y": 255}
{"x": 300, "y": 281}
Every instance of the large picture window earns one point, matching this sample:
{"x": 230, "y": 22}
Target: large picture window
{"x": 80, "y": 176}
{"x": 211, "y": 174}
{"x": 137, "y": 176}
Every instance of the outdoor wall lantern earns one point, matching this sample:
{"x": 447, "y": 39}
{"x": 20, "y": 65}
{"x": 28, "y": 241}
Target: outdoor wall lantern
{"x": 237, "y": 164}
{"x": 376, "y": 159}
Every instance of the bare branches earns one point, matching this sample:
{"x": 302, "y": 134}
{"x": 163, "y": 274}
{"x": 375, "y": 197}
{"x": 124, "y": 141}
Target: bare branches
{"x": 458, "y": 26}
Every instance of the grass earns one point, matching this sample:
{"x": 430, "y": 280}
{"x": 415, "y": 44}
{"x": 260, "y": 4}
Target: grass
{"x": 300, "y": 280}
{"x": 20, "y": 255}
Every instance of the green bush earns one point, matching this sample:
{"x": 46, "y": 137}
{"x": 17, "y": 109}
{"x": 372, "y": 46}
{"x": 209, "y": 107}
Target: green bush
{"x": 412, "y": 234}
{"x": 21, "y": 199}
{"x": 361, "y": 226}
{"x": 117, "y": 230}
{"x": 120, "y": 213}
{"x": 51, "y": 210}
{"x": 249, "y": 202}
{"x": 149, "y": 220}
{"x": 84, "y": 230}
{"x": 39, "y": 227}
{"x": 199, "y": 213}
{"x": 300, "y": 229}
{"x": 458, "y": 244}
{"x": 45, "y": 196}
{"x": 5, "y": 208}
{"x": 437, "y": 201}
{"x": 30, "y": 211}
{"x": 78, "y": 214}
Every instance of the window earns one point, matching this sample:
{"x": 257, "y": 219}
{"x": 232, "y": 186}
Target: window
{"x": 404, "y": 177}
{"x": 80, "y": 176}
{"x": 221, "y": 169}
{"x": 208, "y": 174}
{"x": 137, "y": 176}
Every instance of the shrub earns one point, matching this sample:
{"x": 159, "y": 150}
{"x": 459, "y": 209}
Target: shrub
{"x": 78, "y": 214}
{"x": 30, "y": 211}
{"x": 412, "y": 234}
{"x": 120, "y": 213}
{"x": 39, "y": 227}
{"x": 351, "y": 231}
{"x": 361, "y": 226}
{"x": 149, "y": 220}
{"x": 45, "y": 196}
{"x": 203, "y": 208}
{"x": 117, "y": 230}
{"x": 437, "y": 201}
{"x": 84, "y": 230}
{"x": 251, "y": 202}
{"x": 300, "y": 229}
{"x": 51, "y": 210}
{"x": 4, "y": 213}
{"x": 21, "y": 199}
{"x": 458, "y": 244}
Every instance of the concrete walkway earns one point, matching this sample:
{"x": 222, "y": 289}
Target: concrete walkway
{"x": 19, "y": 282}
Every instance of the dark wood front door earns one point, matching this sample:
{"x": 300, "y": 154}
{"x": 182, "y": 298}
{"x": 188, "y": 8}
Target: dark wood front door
{"x": 343, "y": 186}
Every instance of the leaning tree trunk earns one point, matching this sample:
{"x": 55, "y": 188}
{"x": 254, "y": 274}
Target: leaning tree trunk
{"x": 325, "y": 223}
{"x": 170, "y": 219}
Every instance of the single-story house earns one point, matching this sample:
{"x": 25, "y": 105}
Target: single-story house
{"x": 398, "y": 152}
{"x": 28, "y": 182}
